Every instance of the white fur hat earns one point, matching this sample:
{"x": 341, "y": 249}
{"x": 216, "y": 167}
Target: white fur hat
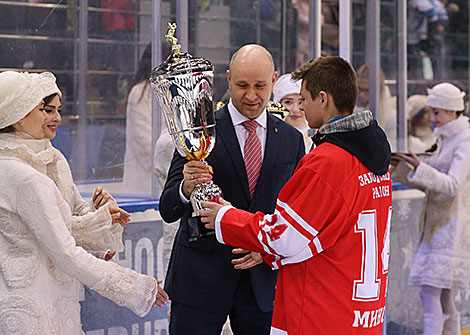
{"x": 415, "y": 104}
{"x": 446, "y": 96}
{"x": 284, "y": 86}
{"x": 21, "y": 92}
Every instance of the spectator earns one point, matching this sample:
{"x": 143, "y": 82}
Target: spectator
{"x": 387, "y": 112}
{"x": 420, "y": 137}
{"x": 441, "y": 262}
{"x": 287, "y": 92}
{"x": 427, "y": 20}
{"x": 138, "y": 154}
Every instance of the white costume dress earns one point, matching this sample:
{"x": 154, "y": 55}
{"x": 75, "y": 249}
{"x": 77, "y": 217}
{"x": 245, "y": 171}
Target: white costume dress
{"x": 138, "y": 155}
{"x": 442, "y": 258}
{"x": 40, "y": 264}
{"x": 163, "y": 154}
{"x": 92, "y": 230}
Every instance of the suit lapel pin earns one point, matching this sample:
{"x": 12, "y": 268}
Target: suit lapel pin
{"x": 276, "y": 130}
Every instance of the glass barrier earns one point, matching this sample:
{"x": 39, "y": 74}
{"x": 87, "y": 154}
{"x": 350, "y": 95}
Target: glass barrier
{"x": 96, "y": 48}
{"x": 238, "y": 23}
{"x": 51, "y": 36}
{"x": 100, "y": 52}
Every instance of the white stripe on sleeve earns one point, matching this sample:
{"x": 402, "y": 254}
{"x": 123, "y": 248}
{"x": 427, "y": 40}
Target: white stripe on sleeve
{"x": 218, "y": 218}
{"x": 297, "y": 218}
{"x": 317, "y": 243}
{"x": 276, "y": 331}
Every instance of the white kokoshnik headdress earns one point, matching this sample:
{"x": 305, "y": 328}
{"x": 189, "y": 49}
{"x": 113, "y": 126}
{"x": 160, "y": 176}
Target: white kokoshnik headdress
{"x": 284, "y": 85}
{"x": 21, "y": 92}
{"x": 446, "y": 96}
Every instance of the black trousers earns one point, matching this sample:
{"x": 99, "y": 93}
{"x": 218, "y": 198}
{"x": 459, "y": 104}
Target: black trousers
{"x": 246, "y": 318}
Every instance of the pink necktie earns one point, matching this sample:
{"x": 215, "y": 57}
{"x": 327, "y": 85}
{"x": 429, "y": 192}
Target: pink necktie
{"x": 253, "y": 156}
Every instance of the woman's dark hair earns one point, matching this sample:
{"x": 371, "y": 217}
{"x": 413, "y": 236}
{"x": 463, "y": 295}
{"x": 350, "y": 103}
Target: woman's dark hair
{"x": 432, "y": 148}
{"x": 49, "y": 98}
{"x": 145, "y": 66}
{"x": 7, "y": 129}
{"x": 143, "y": 70}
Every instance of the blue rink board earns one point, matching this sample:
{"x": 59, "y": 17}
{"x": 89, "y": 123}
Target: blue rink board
{"x": 101, "y": 316}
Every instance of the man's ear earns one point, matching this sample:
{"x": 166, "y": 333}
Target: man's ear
{"x": 228, "y": 77}
{"x": 324, "y": 97}
{"x": 275, "y": 74}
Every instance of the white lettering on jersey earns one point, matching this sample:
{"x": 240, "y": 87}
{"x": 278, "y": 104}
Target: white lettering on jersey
{"x": 361, "y": 320}
{"x": 368, "y": 319}
{"x": 369, "y": 178}
{"x": 380, "y": 191}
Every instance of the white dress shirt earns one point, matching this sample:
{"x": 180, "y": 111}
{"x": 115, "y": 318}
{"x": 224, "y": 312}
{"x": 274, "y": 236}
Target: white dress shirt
{"x": 242, "y": 132}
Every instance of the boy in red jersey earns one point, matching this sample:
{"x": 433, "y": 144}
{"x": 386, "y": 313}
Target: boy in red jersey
{"x": 329, "y": 235}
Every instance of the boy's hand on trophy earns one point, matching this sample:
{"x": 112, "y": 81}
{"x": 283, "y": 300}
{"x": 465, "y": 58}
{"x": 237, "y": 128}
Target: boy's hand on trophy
{"x": 194, "y": 173}
{"x": 209, "y": 213}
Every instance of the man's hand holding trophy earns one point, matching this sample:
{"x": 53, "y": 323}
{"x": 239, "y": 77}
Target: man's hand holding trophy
{"x": 183, "y": 85}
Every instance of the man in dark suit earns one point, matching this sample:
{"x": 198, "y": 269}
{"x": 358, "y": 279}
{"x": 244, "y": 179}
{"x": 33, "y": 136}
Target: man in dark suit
{"x": 208, "y": 281}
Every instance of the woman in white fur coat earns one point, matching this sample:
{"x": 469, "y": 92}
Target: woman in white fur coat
{"x": 138, "y": 155}
{"x": 40, "y": 263}
{"x": 89, "y": 220}
{"x": 441, "y": 263}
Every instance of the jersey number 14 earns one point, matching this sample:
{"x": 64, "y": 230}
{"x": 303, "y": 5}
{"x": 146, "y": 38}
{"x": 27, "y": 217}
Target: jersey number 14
{"x": 367, "y": 288}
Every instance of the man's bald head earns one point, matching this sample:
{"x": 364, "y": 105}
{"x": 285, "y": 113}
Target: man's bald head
{"x": 251, "y": 53}
{"x": 251, "y": 78}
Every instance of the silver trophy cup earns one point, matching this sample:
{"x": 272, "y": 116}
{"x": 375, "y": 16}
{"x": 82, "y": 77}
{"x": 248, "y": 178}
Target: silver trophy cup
{"x": 183, "y": 85}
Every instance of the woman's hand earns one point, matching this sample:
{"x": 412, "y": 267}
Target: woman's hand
{"x": 119, "y": 215}
{"x": 411, "y": 159}
{"x": 101, "y": 197}
{"x": 194, "y": 173}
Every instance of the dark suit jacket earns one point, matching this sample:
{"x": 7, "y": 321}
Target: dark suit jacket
{"x": 201, "y": 271}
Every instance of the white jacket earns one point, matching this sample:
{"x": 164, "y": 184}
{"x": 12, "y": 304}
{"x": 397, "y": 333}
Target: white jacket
{"x": 162, "y": 156}
{"x": 386, "y": 115}
{"x": 443, "y": 255}
{"x": 138, "y": 155}
{"x": 40, "y": 264}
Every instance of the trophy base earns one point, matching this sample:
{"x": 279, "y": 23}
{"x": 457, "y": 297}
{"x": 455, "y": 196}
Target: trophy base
{"x": 197, "y": 229}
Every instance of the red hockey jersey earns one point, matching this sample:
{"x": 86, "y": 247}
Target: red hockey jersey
{"x": 329, "y": 237}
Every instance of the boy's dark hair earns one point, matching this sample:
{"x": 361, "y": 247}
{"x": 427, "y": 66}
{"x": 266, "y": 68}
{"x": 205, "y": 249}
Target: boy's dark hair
{"x": 333, "y": 75}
